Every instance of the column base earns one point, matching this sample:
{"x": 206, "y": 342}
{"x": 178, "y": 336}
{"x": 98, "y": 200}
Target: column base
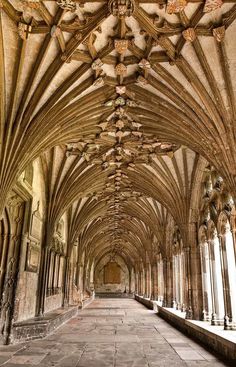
{"x": 189, "y": 313}
{"x": 205, "y": 316}
{"x": 174, "y": 305}
{"x": 216, "y": 321}
{"x": 229, "y": 324}
{"x": 154, "y": 298}
{"x": 179, "y": 307}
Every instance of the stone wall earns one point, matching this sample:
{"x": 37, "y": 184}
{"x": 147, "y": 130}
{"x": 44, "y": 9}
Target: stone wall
{"x": 102, "y": 287}
{"x": 26, "y": 295}
{"x": 27, "y": 283}
{"x": 53, "y": 302}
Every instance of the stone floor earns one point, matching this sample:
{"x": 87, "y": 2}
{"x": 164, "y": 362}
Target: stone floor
{"x": 112, "y": 333}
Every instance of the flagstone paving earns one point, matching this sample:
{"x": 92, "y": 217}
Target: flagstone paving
{"x": 112, "y": 333}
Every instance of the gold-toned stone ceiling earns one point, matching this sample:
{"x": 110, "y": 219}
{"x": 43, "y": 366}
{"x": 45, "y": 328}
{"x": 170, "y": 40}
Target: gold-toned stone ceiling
{"x": 131, "y": 94}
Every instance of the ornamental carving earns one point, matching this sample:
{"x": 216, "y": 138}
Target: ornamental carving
{"x": 121, "y": 8}
{"x": 121, "y": 69}
{"x": 189, "y": 34}
{"x": 141, "y": 80}
{"x": 14, "y": 200}
{"x": 97, "y": 64}
{"x": 219, "y": 33}
{"x": 121, "y": 45}
{"x": 33, "y": 4}
{"x": 57, "y": 245}
{"x": 211, "y": 5}
{"x": 55, "y": 31}
{"x": 69, "y": 5}
{"x": 99, "y": 82}
{"x": 24, "y": 30}
{"x": 144, "y": 64}
{"x": 175, "y": 6}
{"x": 120, "y": 89}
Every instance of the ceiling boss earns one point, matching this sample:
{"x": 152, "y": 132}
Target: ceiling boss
{"x": 121, "y": 8}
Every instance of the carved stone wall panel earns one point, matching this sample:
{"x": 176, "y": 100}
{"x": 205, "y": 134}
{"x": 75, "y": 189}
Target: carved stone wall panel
{"x": 32, "y": 257}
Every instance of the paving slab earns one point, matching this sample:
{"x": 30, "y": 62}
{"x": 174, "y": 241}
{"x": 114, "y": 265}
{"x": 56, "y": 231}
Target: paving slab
{"x": 112, "y": 333}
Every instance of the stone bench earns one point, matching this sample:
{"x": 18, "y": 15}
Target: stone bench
{"x": 41, "y": 326}
{"x": 221, "y": 341}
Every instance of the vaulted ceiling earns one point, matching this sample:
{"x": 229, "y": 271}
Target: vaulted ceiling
{"x": 125, "y": 101}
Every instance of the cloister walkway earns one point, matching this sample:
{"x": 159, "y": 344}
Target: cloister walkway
{"x": 112, "y": 333}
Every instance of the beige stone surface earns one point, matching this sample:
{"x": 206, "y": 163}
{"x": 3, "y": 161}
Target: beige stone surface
{"x": 112, "y": 333}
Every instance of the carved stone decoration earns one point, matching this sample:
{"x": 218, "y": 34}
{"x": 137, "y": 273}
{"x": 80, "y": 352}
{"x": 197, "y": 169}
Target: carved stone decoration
{"x": 144, "y": 64}
{"x": 120, "y": 101}
{"x": 121, "y": 45}
{"x": 120, "y": 89}
{"x": 109, "y": 103}
{"x": 141, "y": 80}
{"x": 97, "y": 64}
{"x": 219, "y": 33}
{"x": 99, "y": 82}
{"x": 57, "y": 245}
{"x": 14, "y": 201}
{"x": 24, "y": 30}
{"x": 36, "y": 224}
{"x": 121, "y": 8}
{"x": 211, "y": 5}
{"x": 189, "y": 34}
{"x": 121, "y": 69}
{"x": 55, "y": 31}
{"x": 175, "y": 6}
{"x": 131, "y": 103}
{"x": 33, "y": 4}
{"x": 32, "y": 258}
{"x": 69, "y": 5}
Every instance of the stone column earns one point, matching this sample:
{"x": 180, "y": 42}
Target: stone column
{"x": 189, "y": 311}
{"x": 154, "y": 292}
{"x": 168, "y": 283}
{"x": 225, "y": 279}
{"x": 180, "y": 304}
{"x": 228, "y": 275}
{"x": 165, "y": 280}
{"x": 130, "y": 281}
{"x": 148, "y": 280}
{"x": 145, "y": 293}
{"x": 140, "y": 282}
{"x": 170, "y": 297}
{"x": 179, "y": 300}
{"x": 66, "y": 282}
{"x": 175, "y": 281}
{"x": 206, "y": 282}
{"x": 217, "y": 289}
{"x": 135, "y": 281}
{"x": 161, "y": 282}
{"x": 5, "y": 242}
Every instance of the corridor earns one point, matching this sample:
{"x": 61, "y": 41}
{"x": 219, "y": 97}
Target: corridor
{"x": 111, "y": 333}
